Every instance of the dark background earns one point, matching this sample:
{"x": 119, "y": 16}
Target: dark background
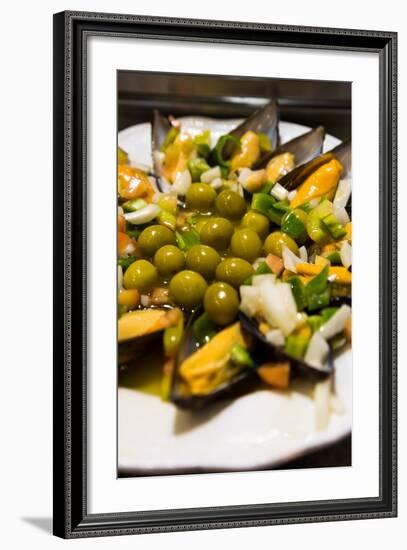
{"x": 308, "y": 102}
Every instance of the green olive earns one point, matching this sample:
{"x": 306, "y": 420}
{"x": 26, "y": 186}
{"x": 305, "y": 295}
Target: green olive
{"x": 203, "y": 259}
{"x": 221, "y": 303}
{"x": 154, "y": 237}
{"x": 141, "y": 275}
{"x": 234, "y": 271}
{"x": 230, "y": 204}
{"x": 217, "y": 233}
{"x": 188, "y": 289}
{"x": 275, "y": 242}
{"x": 200, "y": 196}
{"x": 169, "y": 260}
{"x": 246, "y": 244}
{"x": 258, "y": 222}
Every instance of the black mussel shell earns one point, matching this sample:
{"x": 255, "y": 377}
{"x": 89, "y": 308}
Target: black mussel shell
{"x": 297, "y": 176}
{"x": 264, "y": 120}
{"x": 304, "y": 148}
{"x": 244, "y": 381}
{"x": 132, "y": 349}
{"x": 263, "y": 351}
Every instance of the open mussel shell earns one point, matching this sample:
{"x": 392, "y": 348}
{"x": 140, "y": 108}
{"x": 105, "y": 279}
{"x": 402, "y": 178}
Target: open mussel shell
{"x": 304, "y": 148}
{"x": 262, "y": 121}
{"x": 296, "y": 177}
{"x": 137, "y": 333}
{"x": 243, "y": 382}
{"x": 263, "y": 351}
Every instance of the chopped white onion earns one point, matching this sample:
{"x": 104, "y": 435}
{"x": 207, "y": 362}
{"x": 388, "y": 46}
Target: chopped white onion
{"x": 346, "y": 254}
{"x": 342, "y": 193}
{"x": 290, "y": 260}
{"x": 278, "y": 306}
{"x": 216, "y": 183}
{"x": 279, "y": 192}
{"x": 291, "y": 195}
{"x": 322, "y": 395}
{"x": 317, "y": 351}
{"x": 268, "y": 278}
{"x": 159, "y": 158}
{"x": 182, "y": 182}
{"x": 303, "y": 254}
{"x": 250, "y": 302}
{"x": 336, "y": 323}
{"x": 275, "y": 337}
{"x": 340, "y": 214}
{"x": 211, "y": 174}
{"x": 243, "y": 175}
{"x": 119, "y": 277}
{"x": 144, "y": 215}
{"x": 145, "y": 300}
{"x": 120, "y": 211}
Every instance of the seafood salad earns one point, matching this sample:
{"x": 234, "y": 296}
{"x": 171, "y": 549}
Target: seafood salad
{"x": 234, "y": 260}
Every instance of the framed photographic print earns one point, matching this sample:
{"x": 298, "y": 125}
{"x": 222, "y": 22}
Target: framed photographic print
{"x": 224, "y": 274}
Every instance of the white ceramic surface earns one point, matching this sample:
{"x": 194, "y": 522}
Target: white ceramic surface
{"x": 259, "y": 430}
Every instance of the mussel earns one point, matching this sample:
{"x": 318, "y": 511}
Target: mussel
{"x": 264, "y": 121}
{"x": 304, "y": 148}
{"x": 263, "y": 351}
{"x": 139, "y": 329}
{"x": 296, "y": 177}
{"x": 198, "y": 378}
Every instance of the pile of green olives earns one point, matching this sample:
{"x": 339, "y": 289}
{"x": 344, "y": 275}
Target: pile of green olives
{"x": 227, "y": 239}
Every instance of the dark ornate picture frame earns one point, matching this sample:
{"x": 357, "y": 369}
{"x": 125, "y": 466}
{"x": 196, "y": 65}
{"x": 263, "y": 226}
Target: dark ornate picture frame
{"x": 71, "y": 517}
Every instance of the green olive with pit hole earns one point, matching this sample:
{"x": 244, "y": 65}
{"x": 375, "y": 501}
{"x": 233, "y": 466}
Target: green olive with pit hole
{"x": 202, "y": 259}
{"x": 258, "y": 222}
{"x": 169, "y": 260}
{"x": 200, "y": 196}
{"x": 275, "y": 242}
{"x": 141, "y": 275}
{"x": 154, "y": 237}
{"x": 230, "y": 204}
{"x": 246, "y": 244}
{"x": 221, "y": 303}
{"x": 234, "y": 271}
{"x": 188, "y": 289}
{"x": 217, "y": 233}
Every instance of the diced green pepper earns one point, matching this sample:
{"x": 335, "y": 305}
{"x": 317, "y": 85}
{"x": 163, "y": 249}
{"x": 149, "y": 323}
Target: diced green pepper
{"x": 216, "y": 156}
{"x": 276, "y": 216}
{"x": 167, "y": 219}
{"x": 262, "y": 269}
{"x": 134, "y": 205}
{"x": 327, "y": 313}
{"x": 241, "y": 356}
{"x": 133, "y": 232}
{"x": 262, "y": 202}
{"x": 319, "y": 300}
{"x": 315, "y": 322}
{"x": 265, "y": 143}
{"x": 299, "y": 292}
{"x": 197, "y": 167}
{"x": 267, "y": 187}
{"x": 318, "y": 283}
{"x": 335, "y": 228}
{"x": 293, "y": 225}
{"x": 187, "y": 239}
{"x": 282, "y": 206}
{"x": 203, "y": 329}
{"x": 333, "y": 257}
{"x": 296, "y": 345}
{"x": 169, "y": 138}
{"x": 203, "y": 143}
{"x": 126, "y": 262}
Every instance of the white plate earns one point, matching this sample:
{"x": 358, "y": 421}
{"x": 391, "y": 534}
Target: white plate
{"x": 259, "y": 430}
